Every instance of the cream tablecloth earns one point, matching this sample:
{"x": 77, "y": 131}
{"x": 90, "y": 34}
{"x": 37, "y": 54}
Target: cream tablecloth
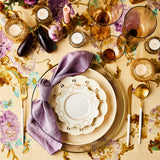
{"x": 14, "y": 68}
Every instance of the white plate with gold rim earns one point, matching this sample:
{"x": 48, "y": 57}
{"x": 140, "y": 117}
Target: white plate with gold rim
{"x": 108, "y": 118}
{"x": 88, "y": 125}
{"x": 77, "y": 106}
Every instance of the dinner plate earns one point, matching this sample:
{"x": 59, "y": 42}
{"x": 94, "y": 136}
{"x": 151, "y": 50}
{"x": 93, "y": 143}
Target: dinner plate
{"x": 108, "y": 118}
{"x": 85, "y": 143}
{"x": 88, "y": 124}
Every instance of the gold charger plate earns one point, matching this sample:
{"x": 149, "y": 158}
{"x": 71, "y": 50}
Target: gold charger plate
{"x": 74, "y": 144}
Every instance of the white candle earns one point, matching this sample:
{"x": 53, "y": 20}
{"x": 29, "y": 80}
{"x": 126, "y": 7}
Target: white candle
{"x": 154, "y": 44}
{"x": 42, "y": 13}
{"x": 77, "y": 38}
{"x": 15, "y": 29}
{"x": 141, "y": 69}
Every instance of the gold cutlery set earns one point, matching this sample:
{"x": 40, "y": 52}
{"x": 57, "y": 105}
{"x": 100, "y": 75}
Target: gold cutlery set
{"x": 141, "y": 92}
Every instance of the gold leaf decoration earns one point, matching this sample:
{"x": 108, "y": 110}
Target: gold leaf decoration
{"x": 5, "y": 78}
{"x": 157, "y": 80}
{"x": 118, "y": 73}
{"x": 154, "y": 144}
{"x": 65, "y": 156}
{"x": 156, "y": 65}
{"x": 124, "y": 149}
{"x": 26, "y": 147}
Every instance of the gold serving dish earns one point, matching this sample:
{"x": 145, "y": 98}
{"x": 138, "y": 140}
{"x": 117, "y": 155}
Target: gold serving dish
{"x": 142, "y": 69}
{"x": 16, "y": 29}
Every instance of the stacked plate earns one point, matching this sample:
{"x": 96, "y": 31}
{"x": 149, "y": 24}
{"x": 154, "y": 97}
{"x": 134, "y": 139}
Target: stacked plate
{"x": 85, "y": 106}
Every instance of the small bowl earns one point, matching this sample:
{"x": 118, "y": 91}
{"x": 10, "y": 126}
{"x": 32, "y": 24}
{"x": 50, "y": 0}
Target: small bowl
{"x": 111, "y": 48}
{"x": 142, "y": 69}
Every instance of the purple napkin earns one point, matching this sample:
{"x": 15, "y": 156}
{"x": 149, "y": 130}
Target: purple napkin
{"x": 41, "y": 124}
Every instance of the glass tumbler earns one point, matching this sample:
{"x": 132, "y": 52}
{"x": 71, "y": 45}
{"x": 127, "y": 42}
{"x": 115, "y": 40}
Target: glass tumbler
{"x": 111, "y": 48}
{"x": 139, "y": 23}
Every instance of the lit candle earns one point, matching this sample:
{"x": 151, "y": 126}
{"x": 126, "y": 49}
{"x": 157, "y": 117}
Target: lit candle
{"x": 154, "y": 44}
{"x": 42, "y": 13}
{"x": 15, "y": 29}
{"x": 141, "y": 69}
{"x": 66, "y": 14}
{"x": 77, "y": 39}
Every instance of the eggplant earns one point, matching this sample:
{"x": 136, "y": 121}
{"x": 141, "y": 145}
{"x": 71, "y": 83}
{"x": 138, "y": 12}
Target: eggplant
{"x": 24, "y": 47}
{"x": 44, "y": 40}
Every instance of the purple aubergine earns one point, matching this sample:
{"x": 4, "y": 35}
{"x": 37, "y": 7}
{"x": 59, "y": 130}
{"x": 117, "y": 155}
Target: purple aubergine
{"x": 25, "y": 46}
{"x": 44, "y": 40}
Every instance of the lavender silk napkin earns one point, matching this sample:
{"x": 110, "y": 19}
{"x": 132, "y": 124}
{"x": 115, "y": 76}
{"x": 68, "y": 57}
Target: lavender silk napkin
{"x": 41, "y": 124}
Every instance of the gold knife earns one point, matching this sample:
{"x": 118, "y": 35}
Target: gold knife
{"x": 129, "y": 112}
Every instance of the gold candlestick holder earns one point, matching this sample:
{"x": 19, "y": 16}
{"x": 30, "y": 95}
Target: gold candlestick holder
{"x": 70, "y": 26}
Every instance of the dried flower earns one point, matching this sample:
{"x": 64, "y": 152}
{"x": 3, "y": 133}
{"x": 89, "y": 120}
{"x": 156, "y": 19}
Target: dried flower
{"x": 56, "y": 32}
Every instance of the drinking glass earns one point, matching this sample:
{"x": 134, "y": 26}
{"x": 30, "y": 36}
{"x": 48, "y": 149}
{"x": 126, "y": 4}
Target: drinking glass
{"x": 104, "y": 12}
{"x": 111, "y": 48}
{"x": 139, "y": 23}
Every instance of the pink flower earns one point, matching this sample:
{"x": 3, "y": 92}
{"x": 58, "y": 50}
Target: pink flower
{"x": 30, "y": 2}
{"x": 5, "y": 44}
{"x": 9, "y": 127}
{"x": 56, "y": 32}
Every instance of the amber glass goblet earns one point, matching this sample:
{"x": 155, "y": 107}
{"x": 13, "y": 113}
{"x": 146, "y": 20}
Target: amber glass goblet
{"x": 104, "y": 13}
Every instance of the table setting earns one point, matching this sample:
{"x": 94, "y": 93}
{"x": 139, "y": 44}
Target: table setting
{"x": 79, "y": 79}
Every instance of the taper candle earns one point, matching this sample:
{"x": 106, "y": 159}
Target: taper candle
{"x": 66, "y": 14}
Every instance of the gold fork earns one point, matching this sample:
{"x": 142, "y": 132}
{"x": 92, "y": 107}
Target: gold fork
{"x": 23, "y": 94}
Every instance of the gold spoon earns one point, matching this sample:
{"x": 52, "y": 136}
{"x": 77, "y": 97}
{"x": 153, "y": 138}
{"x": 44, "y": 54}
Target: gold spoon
{"x": 141, "y": 92}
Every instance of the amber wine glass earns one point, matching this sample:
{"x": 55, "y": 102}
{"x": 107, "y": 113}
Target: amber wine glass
{"x": 104, "y": 13}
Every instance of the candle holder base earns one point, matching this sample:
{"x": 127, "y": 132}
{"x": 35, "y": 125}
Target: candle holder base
{"x": 70, "y": 26}
{"x": 148, "y": 49}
